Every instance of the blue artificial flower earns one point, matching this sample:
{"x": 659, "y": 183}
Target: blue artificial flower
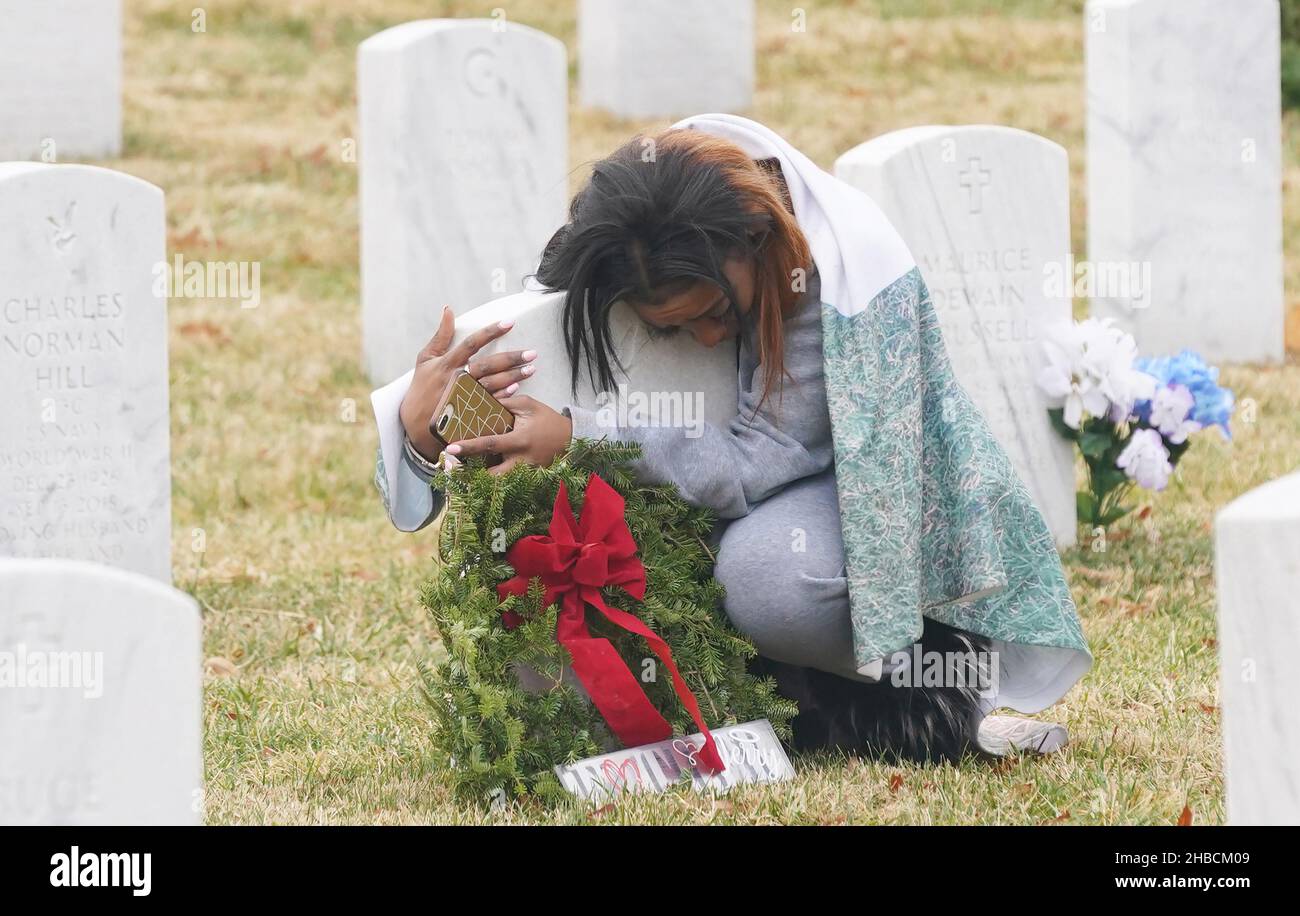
{"x": 1213, "y": 403}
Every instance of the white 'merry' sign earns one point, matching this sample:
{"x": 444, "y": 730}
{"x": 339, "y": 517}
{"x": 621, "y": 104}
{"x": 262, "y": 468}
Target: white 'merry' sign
{"x": 752, "y": 754}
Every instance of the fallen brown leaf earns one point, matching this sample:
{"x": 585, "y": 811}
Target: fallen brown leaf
{"x": 189, "y": 240}
{"x": 1132, "y": 608}
{"x": 220, "y": 667}
{"x": 204, "y": 329}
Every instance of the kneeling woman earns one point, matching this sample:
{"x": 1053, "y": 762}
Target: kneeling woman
{"x": 871, "y": 521}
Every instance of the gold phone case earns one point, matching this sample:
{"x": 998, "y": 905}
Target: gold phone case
{"x": 468, "y": 411}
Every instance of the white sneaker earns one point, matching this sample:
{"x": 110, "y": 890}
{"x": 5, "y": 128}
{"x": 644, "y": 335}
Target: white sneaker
{"x": 1004, "y": 735}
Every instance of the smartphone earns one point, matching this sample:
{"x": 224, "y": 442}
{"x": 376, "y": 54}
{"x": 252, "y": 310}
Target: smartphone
{"x": 467, "y": 410}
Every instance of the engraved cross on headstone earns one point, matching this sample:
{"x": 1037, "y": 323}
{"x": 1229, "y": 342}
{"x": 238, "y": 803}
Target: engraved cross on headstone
{"x": 975, "y": 179}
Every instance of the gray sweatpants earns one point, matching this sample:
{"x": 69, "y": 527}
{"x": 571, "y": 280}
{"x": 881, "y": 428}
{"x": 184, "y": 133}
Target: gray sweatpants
{"x": 783, "y": 568}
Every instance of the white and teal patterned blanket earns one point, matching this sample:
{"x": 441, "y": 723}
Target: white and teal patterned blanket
{"x": 936, "y": 523}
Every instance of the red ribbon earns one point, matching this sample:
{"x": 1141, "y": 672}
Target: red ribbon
{"x": 575, "y": 562}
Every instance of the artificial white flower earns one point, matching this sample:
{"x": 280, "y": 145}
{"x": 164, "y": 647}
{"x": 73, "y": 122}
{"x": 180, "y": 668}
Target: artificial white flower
{"x": 1146, "y": 460}
{"x": 1089, "y": 372}
{"x": 1169, "y": 411}
{"x": 1109, "y": 354}
{"x": 1062, "y": 379}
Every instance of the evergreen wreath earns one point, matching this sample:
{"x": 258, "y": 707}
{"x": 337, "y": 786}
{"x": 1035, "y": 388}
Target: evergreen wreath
{"x": 497, "y": 739}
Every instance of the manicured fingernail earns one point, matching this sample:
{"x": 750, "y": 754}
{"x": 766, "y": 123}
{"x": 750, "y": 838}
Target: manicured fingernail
{"x": 514, "y": 386}
{"x": 506, "y": 324}
{"x": 527, "y": 370}
{"x": 453, "y": 450}
{"x": 529, "y": 355}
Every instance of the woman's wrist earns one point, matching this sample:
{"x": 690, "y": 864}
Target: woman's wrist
{"x": 424, "y": 462}
{"x": 418, "y": 434}
{"x": 424, "y": 443}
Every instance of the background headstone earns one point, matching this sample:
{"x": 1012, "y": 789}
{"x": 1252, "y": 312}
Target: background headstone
{"x": 1257, "y": 574}
{"x": 464, "y": 173}
{"x": 60, "y": 79}
{"x": 666, "y": 58}
{"x": 84, "y": 434}
{"x": 1185, "y": 171}
{"x": 676, "y": 366}
{"x": 100, "y": 717}
{"x": 986, "y": 213}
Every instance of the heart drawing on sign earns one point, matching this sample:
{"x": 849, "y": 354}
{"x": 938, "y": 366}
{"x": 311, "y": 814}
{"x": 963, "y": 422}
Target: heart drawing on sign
{"x": 687, "y": 750}
{"x": 616, "y": 774}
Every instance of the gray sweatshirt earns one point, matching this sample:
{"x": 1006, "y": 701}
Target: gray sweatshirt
{"x": 727, "y": 469}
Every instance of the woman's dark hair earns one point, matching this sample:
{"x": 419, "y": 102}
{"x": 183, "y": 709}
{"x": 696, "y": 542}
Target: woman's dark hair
{"x": 658, "y": 215}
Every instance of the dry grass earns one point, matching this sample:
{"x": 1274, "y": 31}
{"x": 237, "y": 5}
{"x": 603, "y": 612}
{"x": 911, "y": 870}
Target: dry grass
{"x": 313, "y": 597}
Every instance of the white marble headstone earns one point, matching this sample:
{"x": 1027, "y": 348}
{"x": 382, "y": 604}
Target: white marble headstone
{"x": 60, "y": 79}
{"x": 84, "y": 435}
{"x": 985, "y": 211}
{"x": 666, "y": 58}
{"x": 464, "y": 172}
{"x": 674, "y": 378}
{"x": 100, "y": 683}
{"x": 1185, "y": 172}
{"x": 1257, "y": 574}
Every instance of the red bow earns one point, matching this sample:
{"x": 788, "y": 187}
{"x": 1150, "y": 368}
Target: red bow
{"x": 575, "y": 563}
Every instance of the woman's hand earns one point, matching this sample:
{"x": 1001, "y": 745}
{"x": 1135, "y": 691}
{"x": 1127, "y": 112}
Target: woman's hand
{"x": 499, "y": 373}
{"x": 539, "y": 435}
